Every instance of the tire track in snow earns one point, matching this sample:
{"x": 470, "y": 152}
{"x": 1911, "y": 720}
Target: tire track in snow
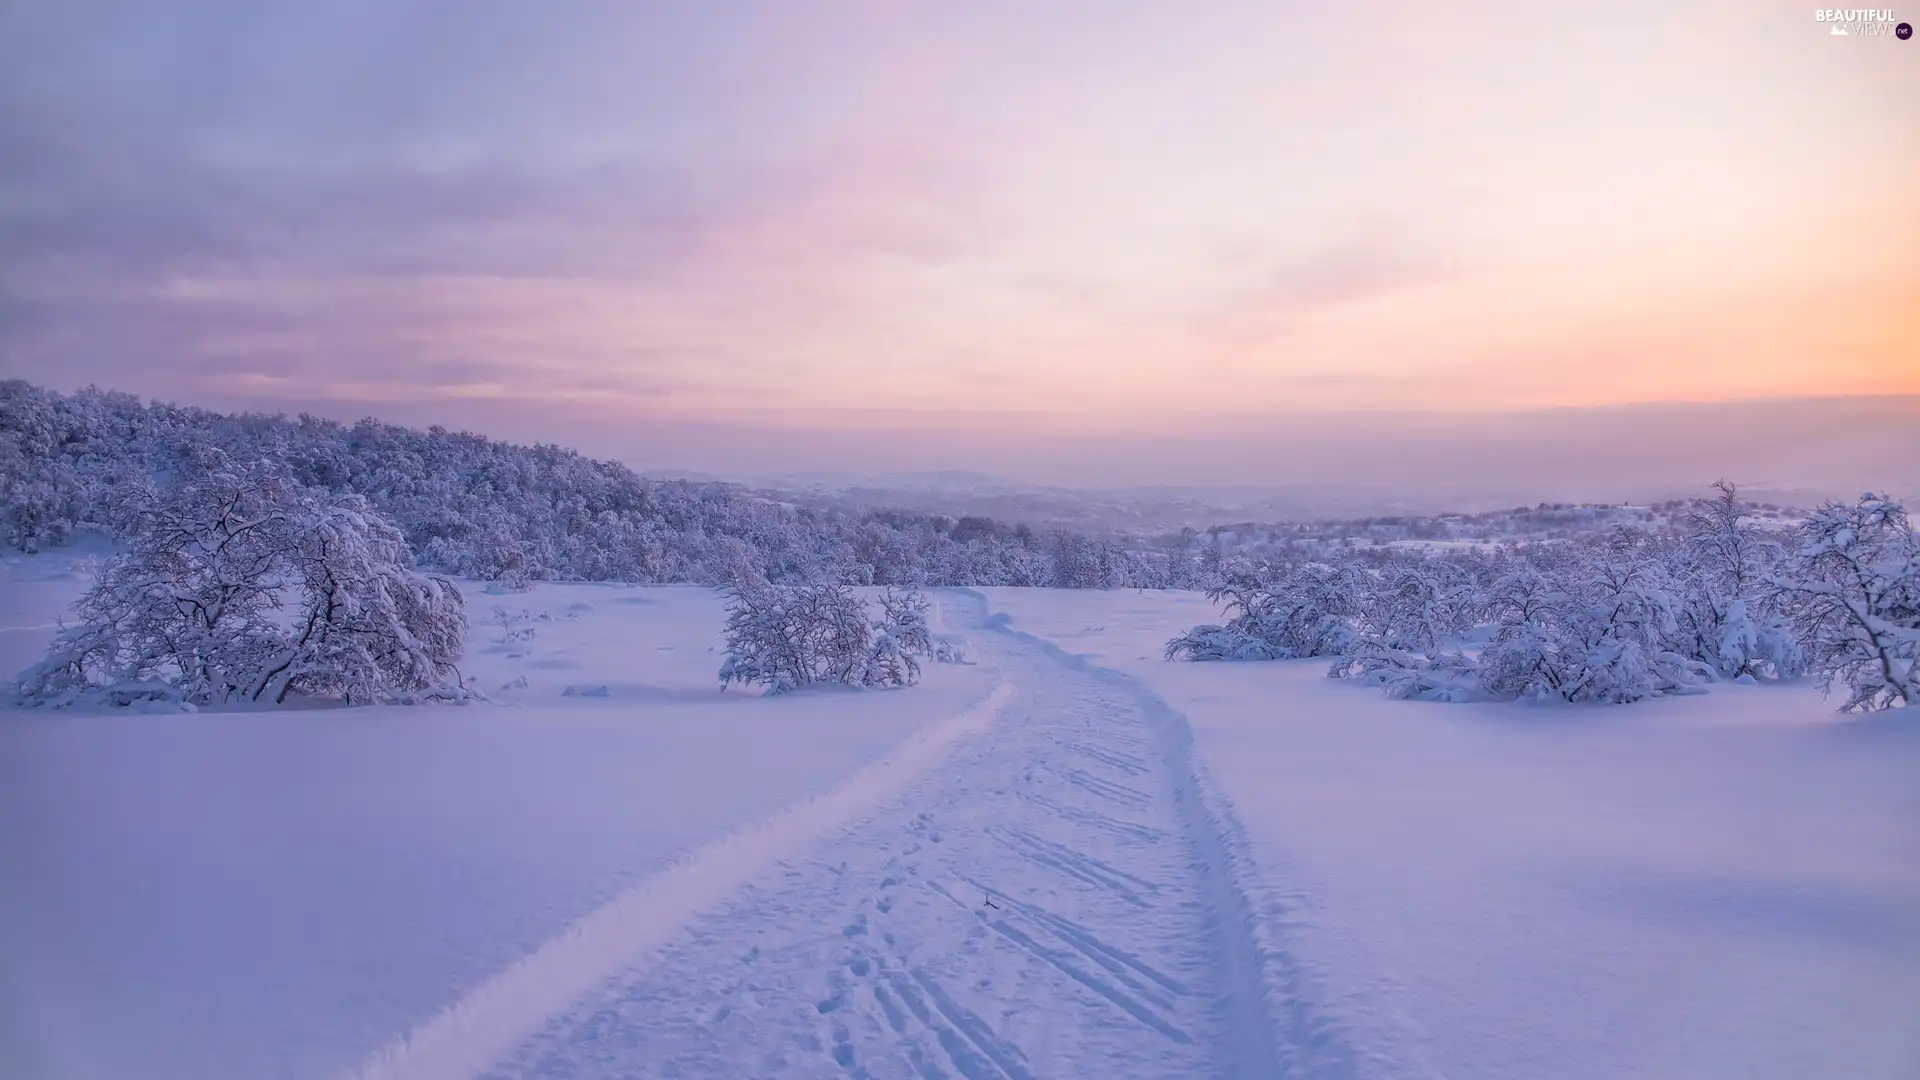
{"x": 1001, "y": 919}
{"x": 1072, "y": 970}
{"x": 1133, "y": 890}
{"x": 467, "y": 1037}
{"x": 1029, "y": 995}
{"x": 1131, "y": 798}
{"x": 1273, "y": 1027}
{"x": 1094, "y": 819}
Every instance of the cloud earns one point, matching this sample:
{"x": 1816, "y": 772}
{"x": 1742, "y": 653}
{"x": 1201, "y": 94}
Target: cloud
{"x": 129, "y": 260}
{"x": 629, "y": 219}
{"x": 1064, "y": 217}
{"x": 1288, "y": 290}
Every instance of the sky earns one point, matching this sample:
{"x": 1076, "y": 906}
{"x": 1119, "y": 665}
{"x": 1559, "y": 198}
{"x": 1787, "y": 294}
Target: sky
{"x": 1098, "y": 242}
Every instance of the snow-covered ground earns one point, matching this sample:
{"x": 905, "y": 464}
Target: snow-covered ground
{"x": 1715, "y": 886}
{"x": 1069, "y": 860}
{"x": 277, "y": 894}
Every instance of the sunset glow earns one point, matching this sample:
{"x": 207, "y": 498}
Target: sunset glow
{"x": 1098, "y": 217}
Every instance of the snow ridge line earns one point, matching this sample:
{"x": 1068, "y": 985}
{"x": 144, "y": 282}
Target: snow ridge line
{"x": 467, "y": 1037}
{"x": 1273, "y": 1027}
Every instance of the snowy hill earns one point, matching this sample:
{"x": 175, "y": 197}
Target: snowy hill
{"x": 244, "y": 894}
{"x": 1456, "y": 890}
{"x": 1068, "y": 859}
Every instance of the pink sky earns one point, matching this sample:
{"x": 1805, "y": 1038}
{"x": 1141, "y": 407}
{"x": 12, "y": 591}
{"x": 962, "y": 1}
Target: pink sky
{"x": 987, "y": 218}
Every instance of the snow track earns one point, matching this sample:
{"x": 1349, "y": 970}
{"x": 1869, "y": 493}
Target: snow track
{"x": 1061, "y": 898}
{"x": 1269, "y": 1023}
{"x": 491, "y": 1018}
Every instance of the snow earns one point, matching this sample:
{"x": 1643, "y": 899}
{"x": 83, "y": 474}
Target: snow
{"x": 1068, "y": 859}
{"x": 1051, "y": 901}
{"x": 34, "y": 594}
{"x": 488, "y": 1020}
{"x": 1723, "y": 885}
{"x": 279, "y": 894}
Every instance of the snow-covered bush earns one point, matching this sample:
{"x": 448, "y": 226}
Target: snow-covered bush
{"x": 514, "y": 626}
{"x": 784, "y": 637}
{"x": 1409, "y": 618}
{"x": 1601, "y": 633}
{"x": 945, "y": 650}
{"x": 1423, "y": 676}
{"x": 900, "y": 637}
{"x": 1852, "y": 592}
{"x": 1572, "y": 622}
{"x": 903, "y": 617}
{"x": 1304, "y": 610}
{"x": 1613, "y": 618}
{"x": 1727, "y": 615}
{"x": 1413, "y": 606}
{"x": 787, "y": 637}
{"x": 1211, "y": 641}
{"x": 237, "y": 586}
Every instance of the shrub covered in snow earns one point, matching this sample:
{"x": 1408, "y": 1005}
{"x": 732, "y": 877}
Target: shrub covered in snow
{"x": 1852, "y": 592}
{"x": 1595, "y": 629}
{"x": 515, "y": 626}
{"x": 1727, "y": 612}
{"x": 900, "y": 637}
{"x": 1615, "y": 617}
{"x": 784, "y": 637}
{"x": 1425, "y": 676}
{"x": 1600, "y": 632}
{"x": 237, "y": 586}
{"x": 1304, "y": 610}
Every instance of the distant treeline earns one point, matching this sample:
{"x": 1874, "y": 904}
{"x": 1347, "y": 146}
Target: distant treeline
{"x": 480, "y": 508}
{"x": 1577, "y": 603}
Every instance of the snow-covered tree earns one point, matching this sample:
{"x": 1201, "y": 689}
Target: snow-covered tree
{"x": 1414, "y": 605}
{"x": 784, "y": 637}
{"x": 1852, "y": 591}
{"x": 903, "y": 616}
{"x": 1407, "y": 615}
{"x": 1726, "y": 612}
{"x": 1599, "y": 632}
{"x": 787, "y": 637}
{"x": 1304, "y": 610}
{"x": 900, "y": 638}
{"x": 368, "y": 627}
{"x": 237, "y": 586}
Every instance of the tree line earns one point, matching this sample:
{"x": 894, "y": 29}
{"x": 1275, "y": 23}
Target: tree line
{"x": 1613, "y": 616}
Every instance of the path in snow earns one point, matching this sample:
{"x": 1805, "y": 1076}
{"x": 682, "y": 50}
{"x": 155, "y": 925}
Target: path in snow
{"x": 1057, "y": 899}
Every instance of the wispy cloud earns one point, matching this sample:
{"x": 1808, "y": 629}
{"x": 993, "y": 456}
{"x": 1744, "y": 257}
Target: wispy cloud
{"x": 1081, "y": 217}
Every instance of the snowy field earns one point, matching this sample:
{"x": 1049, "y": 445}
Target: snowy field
{"x": 1070, "y": 859}
{"x": 1716, "y": 886}
{"x": 275, "y": 895}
